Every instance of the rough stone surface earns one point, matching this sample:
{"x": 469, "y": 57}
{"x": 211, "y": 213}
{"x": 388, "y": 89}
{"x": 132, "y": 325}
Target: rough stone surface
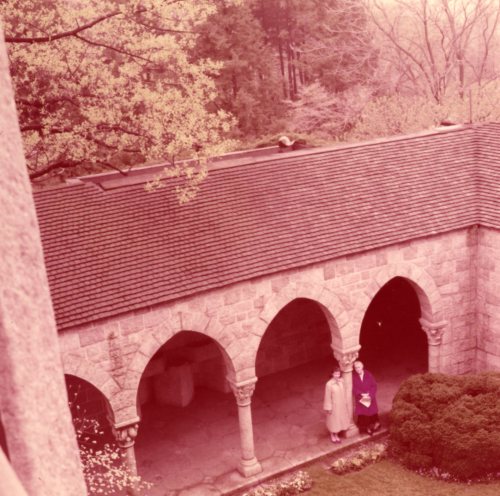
{"x": 33, "y": 401}
{"x": 237, "y": 317}
{"x": 487, "y": 267}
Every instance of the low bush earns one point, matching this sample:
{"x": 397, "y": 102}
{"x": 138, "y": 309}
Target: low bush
{"x": 448, "y": 425}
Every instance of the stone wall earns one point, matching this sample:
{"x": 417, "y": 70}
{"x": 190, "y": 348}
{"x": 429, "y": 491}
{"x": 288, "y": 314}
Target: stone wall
{"x": 488, "y": 300}
{"x": 113, "y": 354}
{"x": 33, "y": 404}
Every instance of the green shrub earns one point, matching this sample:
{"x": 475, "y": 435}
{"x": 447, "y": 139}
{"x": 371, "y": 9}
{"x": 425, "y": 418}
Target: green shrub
{"x": 448, "y": 423}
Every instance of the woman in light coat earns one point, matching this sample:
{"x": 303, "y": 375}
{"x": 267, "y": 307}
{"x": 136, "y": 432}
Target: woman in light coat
{"x": 335, "y": 406}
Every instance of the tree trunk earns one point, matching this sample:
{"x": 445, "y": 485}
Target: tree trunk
{"x": 282, "y": 67}
{"x": 290, "y": 72}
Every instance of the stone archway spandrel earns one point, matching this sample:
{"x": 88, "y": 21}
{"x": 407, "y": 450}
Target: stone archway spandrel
{"x": 194, "y": 321}
{"x": 312, "y": 290}
{"x": 93, "y": 374}
{"x": 414, "y": 274}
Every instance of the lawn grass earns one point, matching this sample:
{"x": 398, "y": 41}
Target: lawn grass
{"x": 387, "y": 478}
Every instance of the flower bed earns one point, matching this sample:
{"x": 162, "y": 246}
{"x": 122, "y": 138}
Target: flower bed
{"x": 359, "y": 459}
{"x": 298, "y": 483}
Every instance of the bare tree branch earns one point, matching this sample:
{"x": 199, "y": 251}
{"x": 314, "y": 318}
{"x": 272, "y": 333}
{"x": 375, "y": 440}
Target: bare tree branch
{"x": 64, "y": 34}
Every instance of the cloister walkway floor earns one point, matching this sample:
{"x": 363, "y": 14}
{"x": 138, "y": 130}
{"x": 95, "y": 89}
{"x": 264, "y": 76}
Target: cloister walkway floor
{"x": 194, "y": 451}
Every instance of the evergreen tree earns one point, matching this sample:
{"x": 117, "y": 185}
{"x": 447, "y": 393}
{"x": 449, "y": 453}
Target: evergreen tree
{"x": 248, "y": 82}
{"x": 324, "y": 40}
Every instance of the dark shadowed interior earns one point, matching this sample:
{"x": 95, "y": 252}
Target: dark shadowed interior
{"x": 89, "y": 412}
{"x": 391, "y": 335}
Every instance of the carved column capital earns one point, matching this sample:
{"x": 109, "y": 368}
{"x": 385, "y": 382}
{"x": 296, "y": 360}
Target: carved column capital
{"x": 243, "y": 391}
{"x": 434, "y": 331}
{"x": 125, "y": 434}
{"x": 346, "y": 358}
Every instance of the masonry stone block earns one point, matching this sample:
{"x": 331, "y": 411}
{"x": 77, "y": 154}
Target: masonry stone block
{"x": 236, "y": 331}
{"x": 227, "y": 317}
{"x": 253, "y": 314}
{"x": 157, "y": 337}
{"x": 131, "y": 324}
{"x": 232, "y": 295}
{"x": 342, "y": 319}
{"x": 269, "y": 312}
{"x": 244, "y": 374}
{"x": 92, "y": 335}
{"x": 72, "y": 362}
{"x": 194, "y": 321}
{"x": 248, "y": 291}
{"x": 259, "y": 302}
{"x": 366, "y": 261}
{"x": 69, "y": 341}
{"x": 350, "y": 341}
{"x": 247, "y": 346}
{"x": 344, "y": 268}
{"x": 279, "y": 282}
{"x": 449, "y": 289}
{"x": 124, "y": 406}
{"x": 195, "y": 302}
{"x": 97, "y": 351}
{"x": 243, "y": 306}
{"x": 329, "y": 271}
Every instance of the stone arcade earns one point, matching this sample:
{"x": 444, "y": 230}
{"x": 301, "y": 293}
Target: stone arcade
{"x": 281, "y": 261}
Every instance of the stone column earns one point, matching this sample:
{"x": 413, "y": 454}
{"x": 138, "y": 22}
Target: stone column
{"x": 33, "y": 400}
{"x": 125, "y": 434}
{"x": 346, "y": 360}
{"x": 243, "y": 391}
{"x": 434, "y": 331}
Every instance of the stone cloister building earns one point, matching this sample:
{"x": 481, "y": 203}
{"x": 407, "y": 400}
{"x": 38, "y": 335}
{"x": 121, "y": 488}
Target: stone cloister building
{"x": 274, "y": 263}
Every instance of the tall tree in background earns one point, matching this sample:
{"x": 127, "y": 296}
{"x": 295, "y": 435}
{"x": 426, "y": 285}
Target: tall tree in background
{"x": 247, "y": 83}
{"x": 437, "y": 47}
{"x": 319, "y": 40}
{"x": 101, "y": 82}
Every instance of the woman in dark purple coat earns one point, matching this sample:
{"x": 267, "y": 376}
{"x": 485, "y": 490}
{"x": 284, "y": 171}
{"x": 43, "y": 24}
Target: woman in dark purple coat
{"x": 364, "y": 390}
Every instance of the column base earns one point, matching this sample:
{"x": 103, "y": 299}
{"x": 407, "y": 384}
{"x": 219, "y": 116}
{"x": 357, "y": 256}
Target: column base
{"x": 352, "y": 431}
{"x": 247, "y": 468}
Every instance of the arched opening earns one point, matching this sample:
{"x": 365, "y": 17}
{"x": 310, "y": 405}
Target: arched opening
{"x": 393, "y": 344}
{"x": 293, "y": 364}
{"x": 189, "y": 427}
{"x": 89, "y": 412}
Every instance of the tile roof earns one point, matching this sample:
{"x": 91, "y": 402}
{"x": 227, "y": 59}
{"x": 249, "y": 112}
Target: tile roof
{"x": 120, "y": 248}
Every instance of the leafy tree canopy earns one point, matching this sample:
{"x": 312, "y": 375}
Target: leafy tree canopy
{"x": 102, "y": 83}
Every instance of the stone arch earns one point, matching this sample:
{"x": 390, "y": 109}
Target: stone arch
{"x": 423, "y": 284}
{"x": 334, "y": 310}
{"x": 88, "y": 402}
{"x": 332, "y": 306}
{"x": 187, "y": 322}
{"x": 82, "y": 369}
